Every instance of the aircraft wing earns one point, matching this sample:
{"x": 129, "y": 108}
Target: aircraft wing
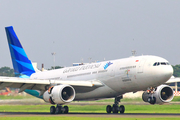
{"x": 173, "y": 80}
{"x": 43, "y": 84}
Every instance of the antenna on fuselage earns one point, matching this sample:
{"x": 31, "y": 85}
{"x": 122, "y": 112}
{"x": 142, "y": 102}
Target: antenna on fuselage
{"x": 53, "y": 54}
{"x": 133, "y": 52}
{"x": 90, "y": 60}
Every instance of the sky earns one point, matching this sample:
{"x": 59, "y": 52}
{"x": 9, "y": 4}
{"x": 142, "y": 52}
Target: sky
{"x": 80, "y": 30}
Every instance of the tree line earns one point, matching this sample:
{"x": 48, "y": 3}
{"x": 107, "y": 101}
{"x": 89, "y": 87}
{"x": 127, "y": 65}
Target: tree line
{"x": 176, "y": 70}
{"x": 7, "y": 71}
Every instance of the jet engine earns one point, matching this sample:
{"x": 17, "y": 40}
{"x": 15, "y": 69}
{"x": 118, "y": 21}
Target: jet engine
{"x": 162, "y": 94}
{"x": 59, "y": 94}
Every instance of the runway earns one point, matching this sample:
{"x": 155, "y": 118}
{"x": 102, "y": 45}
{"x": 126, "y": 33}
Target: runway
{"x": 125, "y": 115}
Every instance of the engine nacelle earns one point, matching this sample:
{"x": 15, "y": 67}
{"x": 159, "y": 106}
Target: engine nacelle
{"x": 162, "y": 94}
{"x": 59, "y": 94}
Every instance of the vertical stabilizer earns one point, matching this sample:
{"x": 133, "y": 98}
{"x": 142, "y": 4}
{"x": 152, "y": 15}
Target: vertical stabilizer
{"x": 22, "y": 65}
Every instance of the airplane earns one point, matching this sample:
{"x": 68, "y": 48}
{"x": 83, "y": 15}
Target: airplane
{"x": 93, "y": 81}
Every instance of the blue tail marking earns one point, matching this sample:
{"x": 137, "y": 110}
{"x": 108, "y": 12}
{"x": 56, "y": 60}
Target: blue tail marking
{"x": 21, "y": 64}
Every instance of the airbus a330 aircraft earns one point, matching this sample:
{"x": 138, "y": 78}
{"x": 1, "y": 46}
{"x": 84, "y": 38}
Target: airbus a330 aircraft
{"x": 107, "y": 79}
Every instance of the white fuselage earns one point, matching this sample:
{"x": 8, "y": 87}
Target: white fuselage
{"x": 117, "y": 76}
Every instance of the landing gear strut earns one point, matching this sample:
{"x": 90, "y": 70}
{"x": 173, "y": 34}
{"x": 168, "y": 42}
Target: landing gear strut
{"x": 115, "y": 108}
{"x": 151, "y": 99}
{"x": 59, "y": 109}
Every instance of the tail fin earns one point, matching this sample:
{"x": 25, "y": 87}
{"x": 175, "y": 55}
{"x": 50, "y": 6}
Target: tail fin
{"x": 22, "y": 65}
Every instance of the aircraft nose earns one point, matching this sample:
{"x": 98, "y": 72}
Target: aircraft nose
{"x": 167, "y": 72}
{"x": 170, "y": 71}
{"x": 163, "y": 73}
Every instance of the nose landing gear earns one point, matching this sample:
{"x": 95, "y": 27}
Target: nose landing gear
{"x": 151, "y": 99}
{"x": 115, "y": 108}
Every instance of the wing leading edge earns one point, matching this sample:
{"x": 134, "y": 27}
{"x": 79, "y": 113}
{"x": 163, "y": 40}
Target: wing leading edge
{"x": 43, "y": 84}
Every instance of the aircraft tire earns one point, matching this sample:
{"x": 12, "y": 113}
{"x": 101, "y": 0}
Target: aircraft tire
{"x": 52, "y": 109}
{"x": 108, "y": 109}
{"x": 66, "y": 109}
{"x": 115, "y": 108}
{"x": 58, "y": 110}
{"x": 121, "y": 109}
{"x": 152, "y": 100}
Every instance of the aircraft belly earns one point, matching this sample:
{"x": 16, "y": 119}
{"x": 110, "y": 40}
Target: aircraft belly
{"x": 98, "y": 93}
{"x": 122, "y": 84}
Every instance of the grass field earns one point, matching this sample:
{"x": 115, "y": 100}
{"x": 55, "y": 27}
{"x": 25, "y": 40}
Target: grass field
{"x": 167, "y": 108}
{"x": 171, "y": 108}
{"x": 81, "y": 118}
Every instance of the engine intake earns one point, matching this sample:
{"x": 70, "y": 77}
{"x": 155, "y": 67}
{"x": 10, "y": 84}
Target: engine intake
{"x": 162, "y": 94}
{"x": 59, "y": 94}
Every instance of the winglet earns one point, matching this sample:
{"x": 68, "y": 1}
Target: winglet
{"x": 22, "y": 65}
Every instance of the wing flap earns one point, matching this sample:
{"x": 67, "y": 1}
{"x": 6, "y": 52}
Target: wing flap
{"x": 4, "y": 84}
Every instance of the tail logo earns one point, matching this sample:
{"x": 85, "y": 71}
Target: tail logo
{"x": 21, "y": 64}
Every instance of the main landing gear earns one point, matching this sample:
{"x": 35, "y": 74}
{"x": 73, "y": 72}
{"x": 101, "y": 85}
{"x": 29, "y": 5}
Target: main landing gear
{"x": 59, "y": 109}
{"x": 115, "y": 108}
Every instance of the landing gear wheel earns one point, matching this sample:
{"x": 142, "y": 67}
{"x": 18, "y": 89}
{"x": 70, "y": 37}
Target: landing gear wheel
{"x": 108, "y": 109}
{"x": 115, "y": 108}
{"x": 66, "y": 109}
{"x": 152, "y": 100}
{"x": 58, "y": 110}
{"x": 52, "y": 109}
{"x": 122, "y": 109}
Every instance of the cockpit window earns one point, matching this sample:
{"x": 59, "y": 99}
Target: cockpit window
{"x": 163, "y": 63}
{"x": 160, "y": 63}
{"x": 155, "y": 64}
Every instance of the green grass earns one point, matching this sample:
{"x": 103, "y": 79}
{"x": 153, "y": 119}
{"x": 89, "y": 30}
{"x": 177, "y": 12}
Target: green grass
{"x": 2, "y": 97}
{"x": 176, "y": 99}
{"x": 81, "y": 118}
{"x": 129, "y": 108}
{"x": 94, "y": 108}
{"x": 170, "y": 108}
